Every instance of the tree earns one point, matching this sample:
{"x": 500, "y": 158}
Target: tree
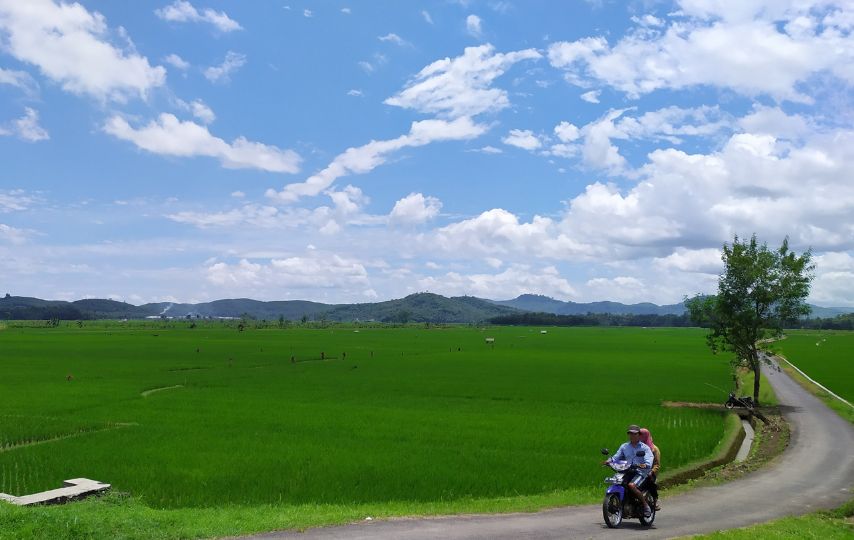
{"x": 758, "y": 291}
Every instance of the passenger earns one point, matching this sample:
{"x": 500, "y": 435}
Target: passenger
{"x": 628, "y": 452}
{"x": 646, "y": 438}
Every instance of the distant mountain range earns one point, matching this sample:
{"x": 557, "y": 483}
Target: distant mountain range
{"x": 420, "y": 307}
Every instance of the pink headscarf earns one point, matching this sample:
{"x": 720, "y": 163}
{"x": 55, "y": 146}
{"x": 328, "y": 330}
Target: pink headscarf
{"x": 646, "y": 437}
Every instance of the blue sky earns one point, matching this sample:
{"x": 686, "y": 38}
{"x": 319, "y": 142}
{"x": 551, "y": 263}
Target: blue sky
{"x": 360, "y": 151}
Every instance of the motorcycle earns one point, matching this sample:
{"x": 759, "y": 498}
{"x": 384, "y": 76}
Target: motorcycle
{"x": 745, "y": 401}
{"x": 619, "y": 503}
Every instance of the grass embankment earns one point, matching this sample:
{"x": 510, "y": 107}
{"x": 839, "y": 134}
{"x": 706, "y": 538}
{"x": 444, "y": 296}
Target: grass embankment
{"x": 826, "y": 525}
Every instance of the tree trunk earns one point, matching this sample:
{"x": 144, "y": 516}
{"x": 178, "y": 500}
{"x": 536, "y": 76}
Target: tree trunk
{"x": 757, "y": 371}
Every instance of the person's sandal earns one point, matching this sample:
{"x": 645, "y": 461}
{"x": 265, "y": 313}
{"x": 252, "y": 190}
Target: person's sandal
{"x": 657, "y": 506}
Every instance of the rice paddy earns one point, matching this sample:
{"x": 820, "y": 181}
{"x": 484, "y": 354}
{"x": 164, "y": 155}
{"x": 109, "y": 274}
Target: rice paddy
{"x": 825, "y": 356}
{"x": 212, "y": 416}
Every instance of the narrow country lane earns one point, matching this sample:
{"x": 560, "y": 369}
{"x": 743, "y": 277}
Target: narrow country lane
{"x": 815, "y": 472}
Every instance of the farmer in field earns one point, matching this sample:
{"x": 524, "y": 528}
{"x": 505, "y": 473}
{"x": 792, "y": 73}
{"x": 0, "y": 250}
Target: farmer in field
{"x": 628, "y": 452}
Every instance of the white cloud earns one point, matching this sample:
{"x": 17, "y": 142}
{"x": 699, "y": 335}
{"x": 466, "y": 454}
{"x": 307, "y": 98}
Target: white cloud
{"x": 15, "y": 200}
{"x": 69, "y": 45}
{"x": 307, "y": 13}
{"x": 567, "y": 132}
{"x": 366, "y": 66}
{"x": 513, "y": 281}
{"x": 597, "y": 150}
{"x": 12, "y": 235}
{"x": 202, "y": 111}
{"x": 427, "y": 17}
{"x": 621, "y": 288}
{"x": 786, "y": 46}
{"x": 773, "y": 121}
{"x": 474, "y": 26}
{"x": 355, "y": 92}
{"x": 394, "y": 38}
{"x": 415, "y": 208}
{"x": 19, "y": 79}
{"x": 346, "y": 11}
{"x": 461, "y": 86}
{"x": 27, "y": 127}
{"x": 169, "y": 136}
{"x": 834, "y": 274}
{"x": 365, "y": 158}
{"x": 489, "y": 150}
{"x": 182, "y": 11}
{"x": 522, "y": 138}
{"x": 591, "y": 96}
{"x": 706, "y": 261}
{"x": 238, "y": 194}
{"x": 177, "y": 62}
{"x": 222, "y": 73}
{"x": 314, "y": 270}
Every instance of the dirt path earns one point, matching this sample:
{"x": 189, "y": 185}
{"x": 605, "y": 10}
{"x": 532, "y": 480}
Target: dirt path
{"x": 816, "y": 471}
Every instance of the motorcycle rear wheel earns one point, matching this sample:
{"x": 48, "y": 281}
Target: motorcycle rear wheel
{"x": 612, "y": 510}
{"x": 650, "y": 500}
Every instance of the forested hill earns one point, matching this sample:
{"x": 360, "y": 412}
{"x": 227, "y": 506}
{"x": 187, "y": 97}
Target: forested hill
{"x": 420, "y": 307}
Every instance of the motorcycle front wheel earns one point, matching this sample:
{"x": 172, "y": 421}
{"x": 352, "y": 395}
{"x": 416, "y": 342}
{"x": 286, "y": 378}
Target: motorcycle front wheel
{"x": 612, "y": 510}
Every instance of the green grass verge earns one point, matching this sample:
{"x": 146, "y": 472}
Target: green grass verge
{"x": 827, "y": 525}
{"x": 120, "y": 517}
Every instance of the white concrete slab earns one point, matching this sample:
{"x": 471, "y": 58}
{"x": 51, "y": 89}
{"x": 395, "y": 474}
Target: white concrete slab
{"x": 76, "y": 488}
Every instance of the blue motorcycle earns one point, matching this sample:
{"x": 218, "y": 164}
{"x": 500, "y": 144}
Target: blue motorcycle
{"x": 619, "y": 503}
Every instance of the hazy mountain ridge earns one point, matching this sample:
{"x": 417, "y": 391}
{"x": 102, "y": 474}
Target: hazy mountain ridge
{"x": 420, "y": 307}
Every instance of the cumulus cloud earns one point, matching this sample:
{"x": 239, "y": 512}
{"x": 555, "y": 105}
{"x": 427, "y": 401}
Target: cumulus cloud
{"x": 222, "y": 73}
{"x": 461, "y": 86}
{"x": 182, "y": 11}
{"x": 314, "y": 270}
{"x": 788, "y": 44}
{"x": 70, "y": 46}
{"x": 474, "y": 26}
{"x": 172, "y": 137}
{"x": 513, "y": 281}
{"x": 522, "y": 138}
{"x": 365, "y": 158}
{"x": 201, "y": 111}
{"x": 566, "y": 132}
{"x": 415, "y": 208}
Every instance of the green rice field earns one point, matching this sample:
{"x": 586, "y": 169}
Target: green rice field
{"x": 212, "y": 416}
{"x": 826, "y": 356}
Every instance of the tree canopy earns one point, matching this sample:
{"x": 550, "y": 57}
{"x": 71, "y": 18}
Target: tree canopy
{"x": 759, "y": 291}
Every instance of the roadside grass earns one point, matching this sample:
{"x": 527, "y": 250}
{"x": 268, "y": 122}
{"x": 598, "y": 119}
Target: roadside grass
{"x": 831, "y": 525}
{"x": 118, "y": 516}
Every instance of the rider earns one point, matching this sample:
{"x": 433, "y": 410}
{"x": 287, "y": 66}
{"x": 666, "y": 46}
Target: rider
{"x": 628, "y": 452}
{"x": 646, "y": 438}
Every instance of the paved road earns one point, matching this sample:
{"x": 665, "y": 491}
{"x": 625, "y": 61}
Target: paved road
{"x": 815, "y": 472}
